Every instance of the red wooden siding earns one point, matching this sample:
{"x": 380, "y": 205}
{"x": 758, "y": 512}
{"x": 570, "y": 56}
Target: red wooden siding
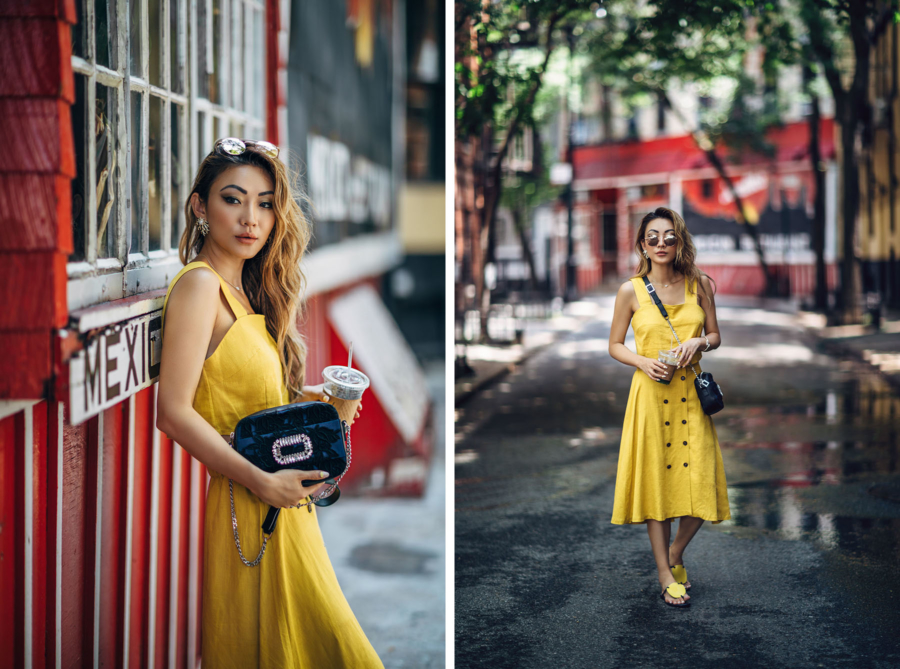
{"x": 58, "y": 585}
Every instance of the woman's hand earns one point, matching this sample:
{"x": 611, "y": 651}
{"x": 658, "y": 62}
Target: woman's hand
{"x": 318, "y": 394}
{"x": 687, "y": 350}
{"x": 284, "y": 488}
{"x": 653, "y": 368}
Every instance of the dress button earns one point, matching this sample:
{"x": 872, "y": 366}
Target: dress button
{"x": 684, "y": 422}
{"x": 685, "y": 464}
{"x": 665, "y": 401}
{"x": 667, "y": 422}
{"x": 684, "y": 399}
{"x": 682, "y": 378}
{"x": 668, "y": 466}
{"x": 684, "y": 442}
{"x": 669, "y": 444}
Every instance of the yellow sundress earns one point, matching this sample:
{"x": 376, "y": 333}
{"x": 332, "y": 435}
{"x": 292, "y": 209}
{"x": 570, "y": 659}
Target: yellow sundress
{"x": 289, "y": 610}
{"x": 670, "y": 464}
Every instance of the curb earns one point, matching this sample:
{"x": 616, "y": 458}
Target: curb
{"x": 498, "y": 374}
{"x": 834, "y": 346}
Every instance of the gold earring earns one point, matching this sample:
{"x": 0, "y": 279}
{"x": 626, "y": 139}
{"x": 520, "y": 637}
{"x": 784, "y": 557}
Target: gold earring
{"x": 203, "y": 225}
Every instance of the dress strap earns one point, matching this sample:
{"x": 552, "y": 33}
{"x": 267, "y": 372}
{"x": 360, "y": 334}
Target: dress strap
{"x": 236, "y": 306}
{"x": 640, "y": 290}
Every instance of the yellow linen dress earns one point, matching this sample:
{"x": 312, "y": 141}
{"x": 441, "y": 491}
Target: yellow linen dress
{"x": 289, "y": 610}
{"x": 670, "y": 464}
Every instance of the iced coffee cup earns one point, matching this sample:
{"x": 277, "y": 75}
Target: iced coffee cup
{"x": 345, "y": 386}
{"x": 670, "y": 360}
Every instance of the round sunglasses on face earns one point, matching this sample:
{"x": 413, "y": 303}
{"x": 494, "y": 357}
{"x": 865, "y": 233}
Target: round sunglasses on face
{"x": 235, "y": 147}
{"x": 669, "y": 240}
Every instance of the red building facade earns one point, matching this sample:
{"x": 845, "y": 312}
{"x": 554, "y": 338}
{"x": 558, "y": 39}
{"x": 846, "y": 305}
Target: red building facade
{"x": 616, "y": 184}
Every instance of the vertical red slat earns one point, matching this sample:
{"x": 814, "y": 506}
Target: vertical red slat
{"x": 7, "y": 543}
{"x": 19, "y": 534}
{"x": 52, "y": 552}
{"x": 140, "y": 532}
{"x": 39, "y": 536}
{"x": 163, "y": 552}
{"x": 112, "y": 556}
{"x": 184, "y": 552}
{"x": 75, "y": 534}
{"x": 201, "y": 516}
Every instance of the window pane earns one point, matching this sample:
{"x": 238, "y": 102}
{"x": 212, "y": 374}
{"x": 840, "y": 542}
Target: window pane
{"x": 155, "y": 41}
{"x": 108, "y": 170}
{"x": 259, "y": 58}
{"x": 215, "y": 88}
{"x": 78, "y": 30}
{"x": 176, "y": 57}
{"x": 178, "y": 176}
{"x": 221, "y": 128}
{"x": 247, "y": 60}
{"x": 79, "y": 183}
{"x": 136, "y": 180}
{"x": 235, "y": 129}
{"x": 237, "y": 50}
{"x": 201, "y": 134}
{"x": 134, "y": 24}
{"x": 102, "y": 32}
{"x": 154, "y": 181}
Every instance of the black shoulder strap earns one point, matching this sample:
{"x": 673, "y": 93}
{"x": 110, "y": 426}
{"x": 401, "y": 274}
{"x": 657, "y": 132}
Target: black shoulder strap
{"x": 652, "y": 291}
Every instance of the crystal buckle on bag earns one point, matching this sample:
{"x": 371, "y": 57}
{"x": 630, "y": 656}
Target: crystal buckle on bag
{"x": 292, "y": 440}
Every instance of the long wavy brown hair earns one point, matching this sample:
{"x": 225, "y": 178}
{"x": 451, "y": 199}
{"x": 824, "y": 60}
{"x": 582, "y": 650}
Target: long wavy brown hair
{"x": 685, "y": 251}
{"x": 272, "y": 279}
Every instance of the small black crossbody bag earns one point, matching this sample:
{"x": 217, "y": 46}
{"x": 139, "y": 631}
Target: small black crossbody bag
{"x": 305, "y": 435}
{"x": 710, "y": 393}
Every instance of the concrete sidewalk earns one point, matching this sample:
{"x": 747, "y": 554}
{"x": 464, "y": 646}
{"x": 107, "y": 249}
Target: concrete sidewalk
{"x": 389, "y": 556}
{"x": 490, "y": 363}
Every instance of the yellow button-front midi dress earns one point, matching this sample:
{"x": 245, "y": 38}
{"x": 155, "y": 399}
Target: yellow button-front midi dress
{"x": 289, "y": 610}
{"x": 670, "y": 464}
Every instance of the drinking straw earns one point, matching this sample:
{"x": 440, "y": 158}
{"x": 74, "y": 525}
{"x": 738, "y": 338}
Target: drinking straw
{"x": 350, "y": 356}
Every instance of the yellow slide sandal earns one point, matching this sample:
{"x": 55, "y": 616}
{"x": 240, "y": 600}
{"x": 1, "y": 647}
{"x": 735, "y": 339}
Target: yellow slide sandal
{"x": 675, "y": 591}
{"x": 680, "y": 574}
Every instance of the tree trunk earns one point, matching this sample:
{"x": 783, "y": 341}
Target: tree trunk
{"x": 518, "y": 222}
{"x": 818, "y": 222}
{"x": 850, "y": 279}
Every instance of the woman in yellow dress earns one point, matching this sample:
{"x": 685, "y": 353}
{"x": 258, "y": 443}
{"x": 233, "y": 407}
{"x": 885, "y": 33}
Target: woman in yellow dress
{"x": 670, "y": 464}
{"x": 231, "y": 348}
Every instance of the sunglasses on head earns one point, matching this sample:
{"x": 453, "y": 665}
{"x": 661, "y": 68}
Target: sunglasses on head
{"x": 235, "y": 147}
{"x": 653, "y": 239}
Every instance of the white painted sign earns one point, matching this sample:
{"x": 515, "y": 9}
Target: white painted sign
{"x": 115, "y": 363}
{"x": 344, "y": 187}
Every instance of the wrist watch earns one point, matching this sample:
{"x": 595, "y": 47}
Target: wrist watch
{"x": 707, "y": 343}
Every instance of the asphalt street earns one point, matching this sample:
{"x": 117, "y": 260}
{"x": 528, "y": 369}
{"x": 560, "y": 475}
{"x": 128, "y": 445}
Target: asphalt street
{"x": 806, "y": 574}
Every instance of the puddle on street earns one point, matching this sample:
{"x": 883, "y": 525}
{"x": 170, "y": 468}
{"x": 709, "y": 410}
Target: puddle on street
{"x": 827, "y": 471}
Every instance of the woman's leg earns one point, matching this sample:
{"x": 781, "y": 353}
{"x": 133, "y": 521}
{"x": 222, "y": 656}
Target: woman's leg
{"x": 659, "y": 532}
{"x": 687, "y": 528}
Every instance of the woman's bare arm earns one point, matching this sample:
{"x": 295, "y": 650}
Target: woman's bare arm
{"x": 709, "y": 306}
{"x": 190, "y": 319}
{"x": 624, "y": 310}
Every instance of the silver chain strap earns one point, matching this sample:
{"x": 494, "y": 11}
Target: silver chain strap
{"x": 310, "y": 500}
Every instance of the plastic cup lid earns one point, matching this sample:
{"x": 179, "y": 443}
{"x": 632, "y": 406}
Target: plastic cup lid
{"x": 345, "y": 382}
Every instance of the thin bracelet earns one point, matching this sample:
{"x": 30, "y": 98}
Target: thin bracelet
{"x": 707, "y": 343}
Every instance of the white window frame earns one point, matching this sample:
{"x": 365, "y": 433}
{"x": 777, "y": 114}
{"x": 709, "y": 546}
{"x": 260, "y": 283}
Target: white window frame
{"x": 96, "y": 280}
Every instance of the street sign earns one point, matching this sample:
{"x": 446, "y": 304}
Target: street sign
{"x": 115, "y": 363}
